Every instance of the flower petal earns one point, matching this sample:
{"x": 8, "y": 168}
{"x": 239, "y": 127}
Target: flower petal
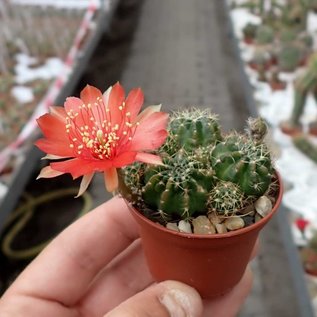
{"x": 134, "y": 102}
{"x": 111, "y": 179}
{"x": 116, "y": 98}
{"x": 124, "y": 159}
{"x": 52, "y": 127}
{"x": 149, "y": 158}
{"x": 147, "y": 112}
{"x": 85, "y": 183}
{"x": 90, "y": 94}
{"x": 151, "y": 133}
{"x": 48, "y": 172}
{"x": 105, "y": 96}
{"x": 79, "y": 167}
{"x": 55, "y": 147}
{"x": 58, "y": 112}
{"x": 72, "y": 104}
{"x": 53, "y": 157}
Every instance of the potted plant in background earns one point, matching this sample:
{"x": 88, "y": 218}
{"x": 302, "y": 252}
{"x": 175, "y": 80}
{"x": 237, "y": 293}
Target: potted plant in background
{"x": 309, "y": 255}
{"x": 200, "y": 196}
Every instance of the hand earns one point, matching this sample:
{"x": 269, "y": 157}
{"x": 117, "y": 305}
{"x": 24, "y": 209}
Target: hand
{"x": 96, "y": 268}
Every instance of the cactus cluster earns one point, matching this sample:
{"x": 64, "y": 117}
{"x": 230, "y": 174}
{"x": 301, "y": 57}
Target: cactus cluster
{"x": 203, "y": 170}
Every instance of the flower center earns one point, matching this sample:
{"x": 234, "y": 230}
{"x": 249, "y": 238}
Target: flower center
{"x": 92, "y": 132}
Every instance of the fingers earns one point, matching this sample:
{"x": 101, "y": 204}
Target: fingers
{"x": 127, "y": 275}
{"x": 122, "y": 278}
{"x": 230, "y": 304}
{"x": 169, "y": 298}
{"x": 65, "y": 269}
{"x": 255, "y": 250}
{"x": 172, "y": 298}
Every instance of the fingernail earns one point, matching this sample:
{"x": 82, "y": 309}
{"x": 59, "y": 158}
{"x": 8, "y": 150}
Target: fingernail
{"x": 181, "y": 301}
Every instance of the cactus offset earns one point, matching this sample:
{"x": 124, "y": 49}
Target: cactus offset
{"x": 193, "y": 128}
{"x": 225, "y": 198}
{"x": 244, "y": 161}
{"x": 256, "y": 129}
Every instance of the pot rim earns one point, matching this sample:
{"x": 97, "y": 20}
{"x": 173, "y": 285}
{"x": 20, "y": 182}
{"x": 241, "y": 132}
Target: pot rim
{"x": 230, "y": 234}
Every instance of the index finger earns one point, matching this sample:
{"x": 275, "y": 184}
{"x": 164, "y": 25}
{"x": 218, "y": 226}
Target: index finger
{"x": 66, "y": 268}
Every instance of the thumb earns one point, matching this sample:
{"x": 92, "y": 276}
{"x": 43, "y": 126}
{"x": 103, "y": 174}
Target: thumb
{"x": 169, "y": 298}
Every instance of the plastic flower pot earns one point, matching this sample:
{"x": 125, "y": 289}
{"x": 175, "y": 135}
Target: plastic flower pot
{"x": 309, "y": 259}
{"x": 212, "y": 264}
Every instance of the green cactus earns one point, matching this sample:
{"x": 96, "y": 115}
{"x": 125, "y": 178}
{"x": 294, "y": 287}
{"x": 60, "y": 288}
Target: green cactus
{"x": 289, "y": 57}
{"x": 192, "y": 129}
{"x": 264, "y": 34}
{"x": 201, "y": 171}
{"x": 288, "y": 35}
{"x": 261, "y": 59}
{"x": 5, "y": 83}
{"x": 303, "y": 144}
{"x": 240, "y": 160}
{"x": 179, "y": 188}
{"x": 256, "y": 129}
{"x": 305, "y": 39}
{"x": 292, "y": 14}
{"x": 304, "y": 85}
{"x": 225, "y": 198}
{"x": 249, "y": 31}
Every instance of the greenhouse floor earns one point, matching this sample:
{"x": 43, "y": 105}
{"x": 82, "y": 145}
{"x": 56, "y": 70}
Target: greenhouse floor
{"x": 180, "y": 53}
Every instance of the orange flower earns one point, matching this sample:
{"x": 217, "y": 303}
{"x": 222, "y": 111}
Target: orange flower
{"x": 100, "y": 133}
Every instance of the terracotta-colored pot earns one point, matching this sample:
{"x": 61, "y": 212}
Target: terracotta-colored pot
{"x": 309, "y": 258}
{"x": 248, "y": 40}
{"x": 290, "y": 129}
{"x": 213, "y": 264}
{"x": 277, "y": 85}
{"x": 312, "y": 129}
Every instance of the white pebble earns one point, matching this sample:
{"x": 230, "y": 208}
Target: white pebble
{"x": 184, "y": 226}
{"x": 221, "y": 228}
{"x": 214, "y": 218}
{"x": 234, "y": 223}
{"x": 202, "y": 225}
{"x": 172, "y": 226}
{"x": 263, "y": 206}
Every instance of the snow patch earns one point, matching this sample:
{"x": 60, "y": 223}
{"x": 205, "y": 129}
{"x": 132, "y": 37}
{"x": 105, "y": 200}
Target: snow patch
{"x": 51, "y": 69}
{"x": 22, "y": 94}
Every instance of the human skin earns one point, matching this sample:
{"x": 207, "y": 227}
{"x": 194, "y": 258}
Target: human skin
{"x": 96, "y": 267}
